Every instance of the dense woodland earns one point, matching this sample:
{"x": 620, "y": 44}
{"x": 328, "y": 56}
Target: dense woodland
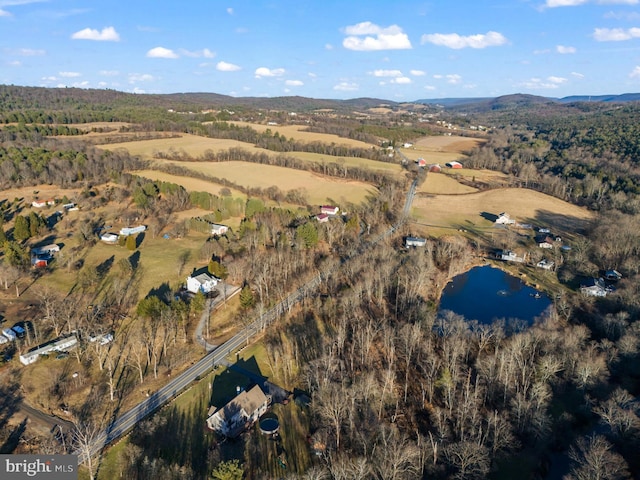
{"x": 397, "y": 392}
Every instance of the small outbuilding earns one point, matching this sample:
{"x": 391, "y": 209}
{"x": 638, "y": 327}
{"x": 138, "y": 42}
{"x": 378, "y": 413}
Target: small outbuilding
{"x": 415, "y": 242}
{"x": 329, "y": 210}
{"x": 453, "y": 164}
{"x": 435, "y": 168}
{"x": 110, "y": 238}
{"x": 218, "y": 229}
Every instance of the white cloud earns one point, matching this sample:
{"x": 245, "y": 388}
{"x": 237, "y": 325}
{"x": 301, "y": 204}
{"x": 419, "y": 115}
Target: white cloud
{"x": 69, "y": 74}
{"x": 575, "y": 3}
{"x": 577, "y": 74}
{"x": 269, "y": 72}
{"x": 630, "y": 16}
{"x": 541, "y": 52}
{"x": 615, "y": 34}
{"x": 556, "y": 80}
{"x": 543, "y": 84}
{"x": 50, "y": 79}
{"x": 430, "y": 87}
{"x": 635, "y": 73}
{"x": 227, "y": 67}
{"x": 4, "y": 13}
{"x": 455, "y": 41}
{"x": 294, "y": 83}
{"x": 15, "y": 63}
{"x": 140, "y": 77}
{"x": 328, "y": 46}
{"x": 107, "y": 34}
{"x": 346, "y": 87}
{"x": 109, "y": 73}
{"x": 417, "y": 73}
{"x": 563, "y": 49}
{"x": 161, "y": 52}
{"x": 205, "y": 52}
{"x": 454, "y": 78}
{"x": 564, "y": 3}
{"x": 230, "y": 11}
{"x": 367, "y": 36}
{"x": 387, "y": 73}
{"x": 401, "y": 80}
{"x": 30, "y": 52}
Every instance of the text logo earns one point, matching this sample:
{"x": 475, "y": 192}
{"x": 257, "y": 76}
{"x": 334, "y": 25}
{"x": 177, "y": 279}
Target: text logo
{"x": 44, "y": 467}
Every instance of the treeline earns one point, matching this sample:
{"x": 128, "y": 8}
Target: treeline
{"x": 331, "y": 168}
{"x": 589, "y": 160}
{"x": 60, "y": 164}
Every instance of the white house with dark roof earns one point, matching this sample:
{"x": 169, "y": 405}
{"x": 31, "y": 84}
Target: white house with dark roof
{"x": 504, "y": 219}
{"x": 201, "y": 282}
{"x": 239, "y": 414}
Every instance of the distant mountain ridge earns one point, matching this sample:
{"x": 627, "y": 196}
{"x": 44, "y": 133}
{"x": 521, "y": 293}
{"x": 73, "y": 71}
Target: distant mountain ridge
{"x": 523, "y": 99}
{"x": 14, "y": 98}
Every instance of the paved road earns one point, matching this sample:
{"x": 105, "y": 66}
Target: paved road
{"x": 123, "y": 423}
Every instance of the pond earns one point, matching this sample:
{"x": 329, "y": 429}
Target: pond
{"x": 486, "y": 293}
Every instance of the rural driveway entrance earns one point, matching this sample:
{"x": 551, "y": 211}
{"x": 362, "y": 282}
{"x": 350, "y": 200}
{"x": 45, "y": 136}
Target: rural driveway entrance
{"x": 225, "y": 292}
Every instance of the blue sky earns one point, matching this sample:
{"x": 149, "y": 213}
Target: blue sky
{"x": 399, "y": 50}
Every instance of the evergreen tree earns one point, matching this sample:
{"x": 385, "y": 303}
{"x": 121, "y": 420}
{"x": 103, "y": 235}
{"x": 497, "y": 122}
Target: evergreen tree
{"x": 131, "y": 242}
{"x": 247, "y": 300}
{"x": 307, "y": 235}
{"x": 218, "y": 270}
{"x": 21, "y": 229}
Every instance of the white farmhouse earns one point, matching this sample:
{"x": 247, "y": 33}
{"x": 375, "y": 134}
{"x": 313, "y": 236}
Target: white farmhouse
{"x": 202, "y": 282}
{"x": 504, "y": 219}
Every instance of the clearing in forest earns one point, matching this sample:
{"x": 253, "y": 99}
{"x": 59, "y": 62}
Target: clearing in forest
{"x": 297, "y": 133}
{"x": 319, "y": 189}
{"x": 193, "y": 145}
{"x": 441, "y": 148}
{"x": 475, "y": 210}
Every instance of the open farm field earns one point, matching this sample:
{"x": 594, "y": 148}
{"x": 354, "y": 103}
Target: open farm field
{"x": 319, "y": 189}
{"x": 189, "y": 183}
{"x": 389, "y": 167}
{"x": 525, "y": 206}
{"x": 446, "y": 182}
{"x": 106, "y": 125}
{"x": 297, "y": 133}
{"x": 442, "y": 184}
{"x": 442, "y": 143}
{"x": 193, "y": 145}
{"x": 432, "y": 156}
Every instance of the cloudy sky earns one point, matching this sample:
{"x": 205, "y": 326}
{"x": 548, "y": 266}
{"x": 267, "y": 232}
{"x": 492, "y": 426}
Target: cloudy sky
{"x": 399, "y": 50}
